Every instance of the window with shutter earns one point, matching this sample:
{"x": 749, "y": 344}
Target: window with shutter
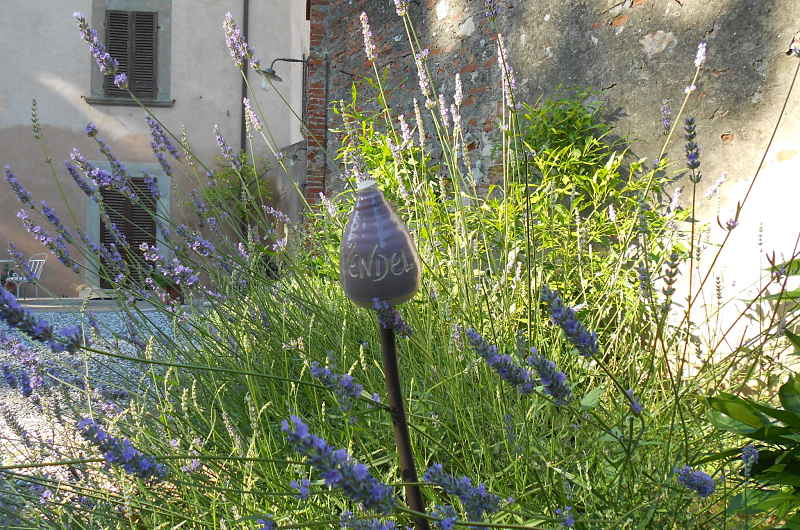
{"x": 135, "y": 221}
{"x": 131, "y": 38}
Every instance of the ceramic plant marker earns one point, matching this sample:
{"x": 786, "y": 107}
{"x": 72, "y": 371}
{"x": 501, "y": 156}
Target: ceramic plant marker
{"x": 378, "y": 260}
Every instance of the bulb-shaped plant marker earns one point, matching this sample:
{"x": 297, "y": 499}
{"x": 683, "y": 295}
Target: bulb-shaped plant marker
{"x": 378, "y": 260}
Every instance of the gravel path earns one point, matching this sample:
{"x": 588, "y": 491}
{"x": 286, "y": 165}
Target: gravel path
{"x": 34, "y": 417}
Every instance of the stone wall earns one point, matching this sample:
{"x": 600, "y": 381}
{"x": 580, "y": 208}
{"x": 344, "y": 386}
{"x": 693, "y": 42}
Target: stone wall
{"x": 638, "y": 55}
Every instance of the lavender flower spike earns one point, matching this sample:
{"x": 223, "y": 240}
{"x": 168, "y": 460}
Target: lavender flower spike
{"x": 554, "y": 382}
{"x": 369, "y": 43}
{"x": 338, "y": 468}
{"x": 16, "y": 317}
{"x": 389, "y": 317}
{"x": 401, "y": 7}
{"x": 508, "y": 370}
{"x": 120, "y": 451}
{"x": 477, "y": 500}
{"x": 241, "y": 52}
{"x": 584, "y": 340}
{"x": 22, "y": 194}
{"x": 700, "y": 58}
{"x": 343, "y": 385}
{"x": 697, "y": 481}
{"x": 108, "y": 65}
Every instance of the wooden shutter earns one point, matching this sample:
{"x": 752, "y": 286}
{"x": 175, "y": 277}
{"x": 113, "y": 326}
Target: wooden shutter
{"x": 131, "y": 38}
{"x": 118, "y": 31}
{"x": 142, "y": 78}
{"x": 136, "y": 223}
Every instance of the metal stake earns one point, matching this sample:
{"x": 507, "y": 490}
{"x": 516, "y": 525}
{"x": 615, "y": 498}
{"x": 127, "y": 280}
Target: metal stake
{"x": 401, "y": 438}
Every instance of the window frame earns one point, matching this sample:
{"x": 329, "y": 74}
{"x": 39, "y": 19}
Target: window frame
{"x": 163, "y": 10}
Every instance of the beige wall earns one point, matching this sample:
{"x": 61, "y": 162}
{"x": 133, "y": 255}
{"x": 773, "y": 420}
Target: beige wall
{"x": 44, "y": 58}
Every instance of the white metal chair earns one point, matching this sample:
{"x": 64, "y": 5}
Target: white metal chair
{"x": 35, "y": 267}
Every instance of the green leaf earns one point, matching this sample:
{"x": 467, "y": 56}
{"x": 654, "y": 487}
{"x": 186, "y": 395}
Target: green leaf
{"x": 786, "y": 295}
{"x": 592, "y": 399}
{"x": 738, "y": 409}
{"x": 794, "y": 339}
{"x": 789, "y": 394}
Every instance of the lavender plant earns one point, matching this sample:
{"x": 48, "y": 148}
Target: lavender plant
{"x": 566, "y": 408}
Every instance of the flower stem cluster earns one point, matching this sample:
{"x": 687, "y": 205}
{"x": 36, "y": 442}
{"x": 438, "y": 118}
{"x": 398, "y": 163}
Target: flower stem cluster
{"x": 338, "y": 468}
{"x": 554, "y": 382}
{"x": 697, "y": 481}
{"x": 121, "y": 452}
{"x": 67, "y": 339}
{"x": 161, "y": 144}
{"x": 505, "y": 366}
{"x": 57, "y": 245}
{"x": 226, "y": 150}
{"x": 584, "y": 340}
{"x": 692, "y": 150}
{"x": 343, "y": 385}
{"x": 108, "y": 65}
{"x": 17, "y": 187}
{"x": 369, "y": 43}
{"x": 476, "y": 500}
{"x": 389, "y": 318}
{"x": 241, "y": 52}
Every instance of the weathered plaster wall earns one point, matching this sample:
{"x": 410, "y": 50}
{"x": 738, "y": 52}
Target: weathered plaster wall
{"x": 44, "y": 58}
{"x": 637, "y": 54}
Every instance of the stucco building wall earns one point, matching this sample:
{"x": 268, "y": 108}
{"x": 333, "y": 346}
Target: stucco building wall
{"x": 44, "y": 58}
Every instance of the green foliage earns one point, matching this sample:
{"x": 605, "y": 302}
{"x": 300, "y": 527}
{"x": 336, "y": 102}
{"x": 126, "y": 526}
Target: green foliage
{"x": 777, "y": 430}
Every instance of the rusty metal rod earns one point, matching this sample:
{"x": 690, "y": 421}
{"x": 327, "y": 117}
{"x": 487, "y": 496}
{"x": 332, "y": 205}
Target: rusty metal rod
{"x": 401, "y": 438}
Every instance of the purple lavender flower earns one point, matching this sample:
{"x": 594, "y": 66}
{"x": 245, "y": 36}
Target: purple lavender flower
{"x": 121, "y": 80}
{"x": 490, "y": 9}
{"x": 389, "y": 318}
{"x": 161, "y": 144}
{"x": 401, "y": 7}
{"x": 666, "y": 116}
{"x": 51, "y": 216}
{"x": 16, "y": 317}
{"x": 697, "y": 481}
{"x": 348, "y": 520}
{"x": 505, "y": 366}
{"x": 277, "y": 214}
{"x": 343, "y": 385}
{"x": 565, "y": 318}
{"x": 405, "y": 131}
{"x": 443, "y": 112}
{"x": 20, "y": 263}
{"x": 241, "y": 52}
{"x": 57, "y": 245}
{"x": 700, "y": 58}
{"x": 226, "y": 150}
{"x": 634, "y": 404}
{"x": 267, "y": 524}
{"x": 338, "y": 468}
{"x": 458, "y": 94}
{"x": 447, "y": 515}
{"x": 692, "y": 151}
{"x": 476, "y": 500}
{"x": 749, "y": 457}
{"x": 554, "y": 382}
{"x": 121, "y": 452}
{"x": 108, "y": 65}
{"x": 369, "y": 43}
{"x": 90, "y": 129}
{"x": 566, "y": 513}
{"x": 251, "y": 118}
{"x": 152, "y": 186}
{"x": 424, "y": 80}
{"x": 15, "y": 185}
{"x": 420, "y": 123}
{"x": 302, "y": 488}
